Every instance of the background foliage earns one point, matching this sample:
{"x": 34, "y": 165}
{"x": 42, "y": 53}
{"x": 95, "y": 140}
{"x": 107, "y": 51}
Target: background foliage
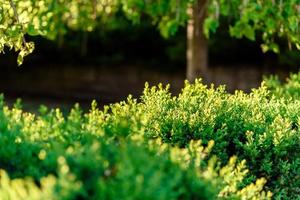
{"x": 51, "y": 18}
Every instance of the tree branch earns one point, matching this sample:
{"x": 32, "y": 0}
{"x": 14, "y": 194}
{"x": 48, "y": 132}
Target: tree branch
{"x": 13, "y": 6}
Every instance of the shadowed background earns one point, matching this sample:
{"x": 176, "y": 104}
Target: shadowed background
{"x": 108, "y": 64}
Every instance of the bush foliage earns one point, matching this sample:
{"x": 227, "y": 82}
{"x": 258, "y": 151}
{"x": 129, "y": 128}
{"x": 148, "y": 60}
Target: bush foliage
{"x": 289, "y": 89}
{"x": 202, "y": 144}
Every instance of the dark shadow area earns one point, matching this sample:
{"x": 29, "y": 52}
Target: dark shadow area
{"x": 117, "y": 59}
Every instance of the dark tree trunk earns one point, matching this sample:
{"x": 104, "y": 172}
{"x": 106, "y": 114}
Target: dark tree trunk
{"x": 197, "y": 47}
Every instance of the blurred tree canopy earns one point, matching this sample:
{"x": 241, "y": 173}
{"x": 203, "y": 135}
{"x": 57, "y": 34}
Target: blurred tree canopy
{"x": 272, "y": 19}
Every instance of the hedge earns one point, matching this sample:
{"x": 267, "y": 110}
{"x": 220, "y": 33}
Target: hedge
{"x": 204, "y": 143}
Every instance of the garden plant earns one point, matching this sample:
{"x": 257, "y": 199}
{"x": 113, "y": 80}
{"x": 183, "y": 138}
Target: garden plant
{"x": 204, "y": 143}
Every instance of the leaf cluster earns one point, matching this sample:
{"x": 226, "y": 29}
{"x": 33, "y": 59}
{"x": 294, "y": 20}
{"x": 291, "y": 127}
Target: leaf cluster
{"x": 273, "y": 19}
{"x": 290, "y": 89}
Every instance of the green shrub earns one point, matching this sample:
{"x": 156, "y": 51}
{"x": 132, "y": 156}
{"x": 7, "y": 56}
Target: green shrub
{"x": 147, "y": 149}
{"x": 289, "y": 89}
{"x": 257, "y": 127}
{"x": 105, "y": 155}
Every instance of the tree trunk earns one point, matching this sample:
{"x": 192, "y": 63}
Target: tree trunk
{"x": 197, "y": 48}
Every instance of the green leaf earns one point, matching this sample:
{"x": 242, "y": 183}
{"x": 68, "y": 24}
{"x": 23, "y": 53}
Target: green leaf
{"x": 249, "y": 32}
{"x": 210, "y": 24}
{"x": 32, "y": 31}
